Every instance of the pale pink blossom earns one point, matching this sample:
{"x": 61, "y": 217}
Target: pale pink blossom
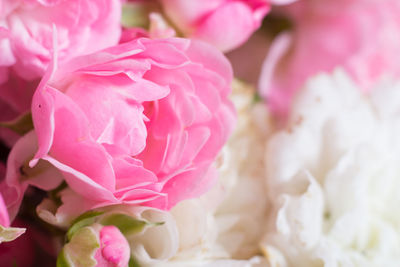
{"x": 26, "y": 28}
{"x": 223, "y": 23}
{"x": 138, "y": 123}
{"x": 360, "y": 35}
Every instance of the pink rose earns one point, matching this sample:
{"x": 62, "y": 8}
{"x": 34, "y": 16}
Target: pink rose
{"x": 360, "y": 35}
{"x": 138, "y": 123}
{"x": 26, "y": 31}
{"x": 224, "y": 23}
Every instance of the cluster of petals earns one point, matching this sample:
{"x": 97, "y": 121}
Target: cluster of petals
{"x": 138, "y": 123}
{"x": 333, "y": 177}
{"x": 26, "y": 29}
{"x": 26, "y": 38}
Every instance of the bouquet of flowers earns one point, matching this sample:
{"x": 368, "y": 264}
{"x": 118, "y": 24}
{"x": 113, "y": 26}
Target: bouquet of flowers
{"x": 199, "y": 133}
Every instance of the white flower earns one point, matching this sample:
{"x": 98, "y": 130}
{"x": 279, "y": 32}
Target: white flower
{"x": 334, "y": 175}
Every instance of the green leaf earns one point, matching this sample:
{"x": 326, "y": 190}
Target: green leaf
{"x": 20, "y": 125}
{"x": 62, "y": 260}
{"x": 133, "y": 262}
{"x": 125, "y": 223}
{"x": 83, "y": 220}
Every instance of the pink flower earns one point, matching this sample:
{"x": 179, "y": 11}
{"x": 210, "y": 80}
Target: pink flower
{"x": 114, "y": 249}
{"x": 26, "y": 28}
{"x": 224, "y": 23}
{"x": 360, "y": 35}
{"x": 138, "y": 123}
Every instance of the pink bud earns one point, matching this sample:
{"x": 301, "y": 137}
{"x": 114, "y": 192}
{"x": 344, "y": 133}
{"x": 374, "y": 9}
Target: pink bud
{"x": 114, "y": 250}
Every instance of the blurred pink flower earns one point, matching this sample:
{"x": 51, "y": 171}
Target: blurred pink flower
{"x": 224, "y": 23}
{"x": 4, "y": 219}
{"x": 26, "y": 28}
{"x": 138, "y": 123}
{"x": 363, "y": 36}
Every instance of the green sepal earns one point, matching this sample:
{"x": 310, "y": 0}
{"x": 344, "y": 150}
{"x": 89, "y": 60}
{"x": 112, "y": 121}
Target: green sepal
{"x": 126, "y": 224}
{"x": 62, "y": 260}
{"x": 133, "y": 262}
{"x": 83, "y": 220}
{"x": 81, "y": 249}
